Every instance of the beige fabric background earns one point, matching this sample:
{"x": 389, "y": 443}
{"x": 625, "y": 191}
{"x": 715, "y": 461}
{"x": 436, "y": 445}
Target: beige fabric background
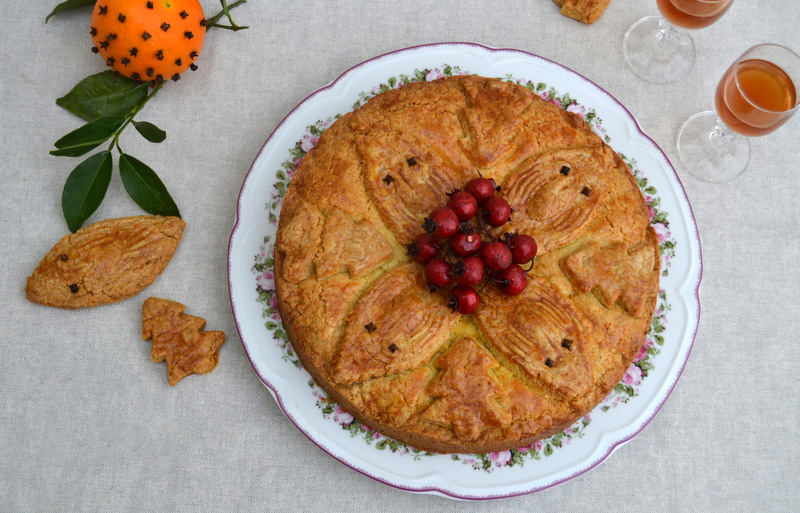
{"x": 88, "y": 423}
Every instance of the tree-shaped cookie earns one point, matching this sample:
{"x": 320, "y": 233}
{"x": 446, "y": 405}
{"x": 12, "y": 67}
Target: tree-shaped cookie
{"x": 179, "y": 339}
{"x": 466, "y": 392}
{"x": 616, "y": 273}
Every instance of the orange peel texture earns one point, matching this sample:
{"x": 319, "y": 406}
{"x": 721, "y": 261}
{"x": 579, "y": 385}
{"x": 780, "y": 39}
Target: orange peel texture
{"x": 148, "y": 40}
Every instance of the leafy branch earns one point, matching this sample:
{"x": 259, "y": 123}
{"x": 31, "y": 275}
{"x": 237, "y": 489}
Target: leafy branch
{"x": 212, "y": 22}
{"x": 109, "y": 103}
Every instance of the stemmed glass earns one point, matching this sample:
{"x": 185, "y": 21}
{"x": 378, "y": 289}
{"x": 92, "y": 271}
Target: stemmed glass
{"x": 657, "y": 50}
{"x": 755, "y": 96}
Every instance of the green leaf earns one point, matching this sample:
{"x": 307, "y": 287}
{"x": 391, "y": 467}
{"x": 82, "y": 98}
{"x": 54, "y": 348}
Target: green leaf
{"x": 149, "y": 131}
{"x": 86, "y": 138}
{"x": 103, "y": 94}
{"x": 85, "y": 189}
{"x": 146, "y": 188}
{"x": 69, "y": 4}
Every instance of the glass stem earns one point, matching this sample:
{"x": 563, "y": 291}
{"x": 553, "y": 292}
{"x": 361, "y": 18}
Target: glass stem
{"x": 721, "y": 135}
{"x": 667, "y": 31}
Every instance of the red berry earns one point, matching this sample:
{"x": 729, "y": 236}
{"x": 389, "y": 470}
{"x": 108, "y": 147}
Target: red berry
{"x": 512, "y": 280}
{"x": 464, "y": 205}
{"x": 497, "y": 211}
{"x": 469, "y": 272}
{"x": 424, "y": 247}
{"x": 442, "y": 223}
{"x": 465, "y": 244}
{"x": 463, "y": 299}
{"x": 481, "y": 189}
{"x": 523, "y": 248}
{"x": 496, "y": 255}
{"x": 437, "y": 272}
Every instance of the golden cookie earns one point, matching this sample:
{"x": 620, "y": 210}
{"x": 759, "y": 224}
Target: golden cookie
{"x": 585, "y": 11}
{"x": 105, "y": 262}
{"x": 179, "y": 339}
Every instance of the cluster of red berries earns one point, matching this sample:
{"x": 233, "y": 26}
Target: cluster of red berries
{"x": 454, "y": 250}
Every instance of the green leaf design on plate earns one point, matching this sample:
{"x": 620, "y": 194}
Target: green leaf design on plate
{"x": 85, "y": 189}
{"x": 86, "y": 138}
{"x": 146, "y": 188}
{"x": 149, "y": 131}
{"x": 69, "y": 4}
{"x": 104, "y": 94}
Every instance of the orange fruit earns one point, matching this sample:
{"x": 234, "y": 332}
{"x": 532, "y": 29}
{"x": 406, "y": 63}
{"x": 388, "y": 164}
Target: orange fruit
{"x": 149, "y": 40}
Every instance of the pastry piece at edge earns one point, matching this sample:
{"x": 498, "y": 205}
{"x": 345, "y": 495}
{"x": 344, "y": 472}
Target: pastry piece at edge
{"x": 471, "y": 404}
{"x": 466, "y": 392}
{"x": 105, "y": 262}
{"x": 585, "y": 11}
{"x": 179, "y": 339}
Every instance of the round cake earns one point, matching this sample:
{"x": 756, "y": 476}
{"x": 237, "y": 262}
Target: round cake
{"x": 395, "y": 354}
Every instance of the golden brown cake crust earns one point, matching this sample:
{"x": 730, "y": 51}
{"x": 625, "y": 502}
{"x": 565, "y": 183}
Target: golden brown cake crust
{"x": 391, "y": 353}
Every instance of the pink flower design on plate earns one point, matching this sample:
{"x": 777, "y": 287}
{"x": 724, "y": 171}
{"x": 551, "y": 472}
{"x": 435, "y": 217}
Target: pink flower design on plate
{"x": 433, "y": 75}
{"x": 308, "y": 142}
{"x": 577, "y": 109}
{"x": 633, "y": 375}
{"x": 273, "y": 303}
{"x": 661, "y": 231}
{"x": 500, "y": 458}
{"x": 648, "y": 343}
{"x": 266, "y": 280}
{"x": 341, "y": 416}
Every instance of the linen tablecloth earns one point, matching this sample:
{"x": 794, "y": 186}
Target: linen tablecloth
{"x": 89, "y": 423}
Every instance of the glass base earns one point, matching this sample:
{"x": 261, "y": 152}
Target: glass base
{"x": 710, "y": 151}
{"x": 658, "y": 52}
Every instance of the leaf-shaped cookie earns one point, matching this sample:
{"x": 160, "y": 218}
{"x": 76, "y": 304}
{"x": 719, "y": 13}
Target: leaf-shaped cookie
{"x": 105, "y": 262}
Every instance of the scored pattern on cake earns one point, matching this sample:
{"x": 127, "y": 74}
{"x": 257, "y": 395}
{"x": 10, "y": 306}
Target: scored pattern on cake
{"x": 558, "y": 194}
{"x": 397, "y": 326}
{"x": 547, "y": 396}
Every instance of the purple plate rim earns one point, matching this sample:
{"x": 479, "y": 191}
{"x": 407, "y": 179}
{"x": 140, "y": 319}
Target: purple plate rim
{"x": 433, "y": 489}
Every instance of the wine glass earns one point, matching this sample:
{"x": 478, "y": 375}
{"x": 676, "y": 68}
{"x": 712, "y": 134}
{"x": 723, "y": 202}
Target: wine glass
{"x": 755, "y": 96}
{"x": 658, "y": 49}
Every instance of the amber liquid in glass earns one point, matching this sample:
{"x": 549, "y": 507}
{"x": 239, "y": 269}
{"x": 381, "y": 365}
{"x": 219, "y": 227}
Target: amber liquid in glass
{"x": 760, "y": 103}
{"x": 692, "y": 14}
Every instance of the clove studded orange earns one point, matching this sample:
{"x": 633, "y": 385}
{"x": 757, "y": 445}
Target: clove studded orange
{"x": 148, "y": 40}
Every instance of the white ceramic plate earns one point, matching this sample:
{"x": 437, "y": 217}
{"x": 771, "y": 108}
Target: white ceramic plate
{"x": 616, "y": 420}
